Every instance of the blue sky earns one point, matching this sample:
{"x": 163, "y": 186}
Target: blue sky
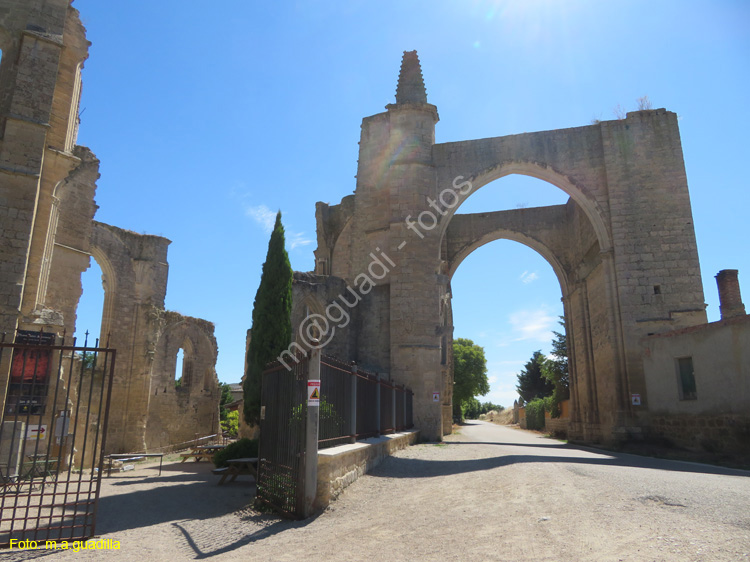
{"x": 207, "y": 118}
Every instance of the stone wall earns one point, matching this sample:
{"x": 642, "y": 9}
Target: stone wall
{"x": 338, "y": 467}
{"x": 716, "y": 416}
{"x": 48, "y": 235}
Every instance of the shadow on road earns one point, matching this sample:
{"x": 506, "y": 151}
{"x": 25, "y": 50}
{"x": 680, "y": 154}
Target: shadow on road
{"x": 170, "y": 497}
{"x": 276, "y": 526}
{"x": 399, "y": 467}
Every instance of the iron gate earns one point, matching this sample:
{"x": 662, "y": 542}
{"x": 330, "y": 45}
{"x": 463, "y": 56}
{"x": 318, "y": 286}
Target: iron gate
{"x": 52, "y": 436}
{"x": 282, "y": 443}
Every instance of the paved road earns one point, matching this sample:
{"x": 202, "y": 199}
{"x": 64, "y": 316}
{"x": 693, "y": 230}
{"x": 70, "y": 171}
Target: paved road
{"x": 489, "y": 493}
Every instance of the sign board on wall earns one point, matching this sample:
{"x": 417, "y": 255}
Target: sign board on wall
{"x": 36, "y": 431}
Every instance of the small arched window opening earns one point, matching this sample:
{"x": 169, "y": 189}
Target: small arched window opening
{"x": 179, "y": 365}
{"x": 183, "y": 372}
{"x": 90, "y": 311}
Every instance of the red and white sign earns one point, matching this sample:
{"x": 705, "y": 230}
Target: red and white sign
{"x": 436, "y": 397}
{"x": 313, "y": 393}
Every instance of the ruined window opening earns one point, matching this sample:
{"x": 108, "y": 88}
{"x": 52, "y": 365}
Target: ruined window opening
{"x": 657, "y": 289}
{"x": 183, "y": 372}
{"x": 686, "y": 379}
{"x": 91, "y": 313}
{"x": 178, "y": 368}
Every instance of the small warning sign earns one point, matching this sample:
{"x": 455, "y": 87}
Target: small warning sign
{"x": 436, "y": 397}
{"x": 313, "y": 393}
{"x": 636, "y": 399}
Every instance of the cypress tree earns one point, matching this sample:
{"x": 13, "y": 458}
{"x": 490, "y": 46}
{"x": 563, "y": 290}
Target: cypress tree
{"x": 272, "y": 321}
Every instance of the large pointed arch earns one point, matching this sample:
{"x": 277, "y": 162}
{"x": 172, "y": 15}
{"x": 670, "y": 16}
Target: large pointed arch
{"x": 532, "y": 169}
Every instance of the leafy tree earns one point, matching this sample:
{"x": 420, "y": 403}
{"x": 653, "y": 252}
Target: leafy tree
{"x": 231, "y": 424}
{"x": 555, "y": 371}
{"x": 472, "y": 408}
{"x": 272, "y": 323}
{"x": 531, "y": 383}
{"x": 469, "y": 374}
{"x": 226, "y": 398}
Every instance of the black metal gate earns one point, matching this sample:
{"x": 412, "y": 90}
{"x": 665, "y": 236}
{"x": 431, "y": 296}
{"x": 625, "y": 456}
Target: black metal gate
{"x": 52, "y": 437}
{"x": 281, "y": 454}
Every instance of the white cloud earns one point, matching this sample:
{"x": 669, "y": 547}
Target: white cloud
{"x": 298, "y": 239}
{"x": 264, "y": 216}
{"x": 532, "y": 325}
{"x": 527, "y": 277}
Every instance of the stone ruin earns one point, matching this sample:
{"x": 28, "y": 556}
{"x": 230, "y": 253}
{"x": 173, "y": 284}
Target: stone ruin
{"x": 49, "y": 236}
{"x": 623, "y": 248}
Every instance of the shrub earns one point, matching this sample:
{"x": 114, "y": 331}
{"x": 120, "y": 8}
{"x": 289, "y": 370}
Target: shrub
{"x": 244, "y": 448}
{"x": 535, "y": 414}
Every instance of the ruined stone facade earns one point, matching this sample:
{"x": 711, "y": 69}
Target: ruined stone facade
{"x": 623, "y": 249}
{"x": 48, "y": 236}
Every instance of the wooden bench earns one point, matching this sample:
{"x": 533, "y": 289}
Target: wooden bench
{"x": 202, "y": 451}
{"x": 238, "y": 467}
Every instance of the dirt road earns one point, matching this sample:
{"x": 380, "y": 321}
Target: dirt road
{"x": 489, "y": 493}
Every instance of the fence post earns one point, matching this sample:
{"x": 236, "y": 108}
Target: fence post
{"x": 393, "y": 407}
{"x": 377, "y": 403}
{"x": 353, "y": 400}
{"x": 311, "y": 440}
{"x": 406, "y": 422}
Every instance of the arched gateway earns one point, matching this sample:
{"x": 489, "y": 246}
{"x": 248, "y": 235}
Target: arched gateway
{"x": 623, "y": 249}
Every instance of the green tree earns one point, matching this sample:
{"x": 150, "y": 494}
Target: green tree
{"x": 555, "y": 371}
{"x": 473, "y": 408}
{"x": 469, "y": 374}
{"x": 531, "y": 383}
{"x": 226, "y": 398}
{"x": 272, "y": 323}
{"x": 231, "y": 424}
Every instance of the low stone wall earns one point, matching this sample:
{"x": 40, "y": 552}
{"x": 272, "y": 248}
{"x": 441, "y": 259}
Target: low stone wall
{"x": 556, "y": 426}
{"x": 340, "y": 466}
{"x": 715, "y": 434}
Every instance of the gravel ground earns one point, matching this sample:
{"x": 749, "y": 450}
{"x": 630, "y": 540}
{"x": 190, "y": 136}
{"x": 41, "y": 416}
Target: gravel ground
{"x": 489, "y": 493}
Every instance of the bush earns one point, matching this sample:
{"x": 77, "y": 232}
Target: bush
{"x": 242, "y": 449}
{"x": 535, "y": 414}
{"x": 231, "y": 424}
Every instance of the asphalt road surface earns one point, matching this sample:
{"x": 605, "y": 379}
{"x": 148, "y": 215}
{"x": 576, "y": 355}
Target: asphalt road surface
{"x": 488, "y": 493}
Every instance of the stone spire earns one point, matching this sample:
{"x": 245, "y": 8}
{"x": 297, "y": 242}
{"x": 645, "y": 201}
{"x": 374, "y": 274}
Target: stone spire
{"x": 410, "y": 87}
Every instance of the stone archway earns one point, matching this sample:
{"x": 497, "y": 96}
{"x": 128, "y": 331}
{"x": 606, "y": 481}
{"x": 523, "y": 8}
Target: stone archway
{"x": 623, "y": 247}
{"x": 550, "y": 232}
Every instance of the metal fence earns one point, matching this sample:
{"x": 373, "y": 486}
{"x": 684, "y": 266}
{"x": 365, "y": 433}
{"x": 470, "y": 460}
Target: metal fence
{"x": 52, "y": 437}
{"x": 336, "y": 407}
{"x": 352, "y": 404}
{"x": 282, "y": 437}
{"x": 356, "y": 404}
